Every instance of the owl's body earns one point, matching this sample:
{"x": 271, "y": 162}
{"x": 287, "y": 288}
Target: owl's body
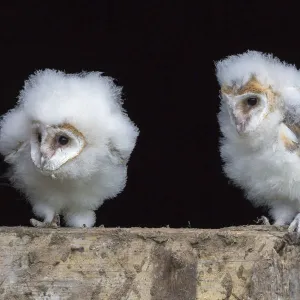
{"x": 68, "y": 141}
{"x": 260, "y": 123}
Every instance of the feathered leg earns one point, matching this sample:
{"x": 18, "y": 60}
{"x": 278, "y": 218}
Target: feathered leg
{"x": 81, "y": 218}
{"x": 55, "y": 222}
{"x": 47, "y": 214}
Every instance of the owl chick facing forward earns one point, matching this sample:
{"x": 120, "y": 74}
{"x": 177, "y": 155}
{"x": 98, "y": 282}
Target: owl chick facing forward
{"x": 259, "y": 120}
{"x": 68, "y": 141}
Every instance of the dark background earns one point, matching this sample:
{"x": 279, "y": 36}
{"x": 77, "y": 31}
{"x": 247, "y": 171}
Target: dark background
{"x": 163, "y": 53}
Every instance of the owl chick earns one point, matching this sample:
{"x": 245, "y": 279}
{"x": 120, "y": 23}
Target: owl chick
{"x": 259, "y": 120}
{"x": 68, "y": 141}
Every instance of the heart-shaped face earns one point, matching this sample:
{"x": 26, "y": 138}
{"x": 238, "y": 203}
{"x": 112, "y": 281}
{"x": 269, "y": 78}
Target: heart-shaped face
{"x": 249, "y": 105}
{"x": 54, "y": 146}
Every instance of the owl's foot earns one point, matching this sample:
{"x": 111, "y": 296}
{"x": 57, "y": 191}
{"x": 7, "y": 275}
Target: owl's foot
{"x": 263, "y": 220}
{"x": 55, "y": 223}
{"x": 295, "y": 225}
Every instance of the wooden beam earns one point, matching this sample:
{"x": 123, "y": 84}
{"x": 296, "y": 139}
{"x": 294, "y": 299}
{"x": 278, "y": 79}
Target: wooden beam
{"x": 237, "y": 263}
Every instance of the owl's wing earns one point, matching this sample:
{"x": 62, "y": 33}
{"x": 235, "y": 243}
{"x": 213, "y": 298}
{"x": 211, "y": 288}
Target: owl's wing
{"x": 122, "y": 140}
{"x": 15, "y": 130}
{"x": 289, "y": 129}
{"x": 288, "y": 136}
{"x": 11, "y": 157}
{"x": 115, "y": 154}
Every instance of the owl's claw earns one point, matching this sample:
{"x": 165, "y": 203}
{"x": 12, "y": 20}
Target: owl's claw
{"x": 295, "y": 225}
{"x": 55, "y": 223}
{"x": 263, "y": 220}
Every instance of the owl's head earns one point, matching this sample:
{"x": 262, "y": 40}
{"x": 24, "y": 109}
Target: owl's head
{"x": 249, "y": 105}
{"x": 251, "y": 90}
{"x": 78, "y": 124}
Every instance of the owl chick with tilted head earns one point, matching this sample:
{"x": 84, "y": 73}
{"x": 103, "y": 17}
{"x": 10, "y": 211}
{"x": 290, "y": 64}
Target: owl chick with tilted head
{"x": 68, "y": 141}
{"x": 259, "y": 120}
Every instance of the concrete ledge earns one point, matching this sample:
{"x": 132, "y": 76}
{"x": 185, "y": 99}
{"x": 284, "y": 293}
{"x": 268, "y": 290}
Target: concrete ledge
{"x": 237, "y": 263}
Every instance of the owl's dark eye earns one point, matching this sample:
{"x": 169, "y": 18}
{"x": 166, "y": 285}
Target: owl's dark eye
{"x": 39, "y": 137}
{"x": 63, "y": 140}
{"x": 252, "y": 101}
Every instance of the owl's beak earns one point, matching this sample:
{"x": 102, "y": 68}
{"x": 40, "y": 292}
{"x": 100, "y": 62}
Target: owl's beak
{"x": 239, "y": 120}
{"x": 240, "y": 127}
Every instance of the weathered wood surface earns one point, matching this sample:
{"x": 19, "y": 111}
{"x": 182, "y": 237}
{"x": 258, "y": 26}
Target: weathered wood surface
{"x": 238, "y": 263}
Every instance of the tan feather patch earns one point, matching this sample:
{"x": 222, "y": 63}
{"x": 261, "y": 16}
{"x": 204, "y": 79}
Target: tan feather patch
{"x": 295, "y": 128}
{"x": 252, "y": 86}
{"x": 228, "y": 90}
{"x": 71, "y": 128}
{"x": 288, "y": 144}
{"x": 288, "y": 136}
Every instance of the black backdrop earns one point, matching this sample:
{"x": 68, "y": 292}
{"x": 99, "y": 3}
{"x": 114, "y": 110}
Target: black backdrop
{"x": 162, "y": 52}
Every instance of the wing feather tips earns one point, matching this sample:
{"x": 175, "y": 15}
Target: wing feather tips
{"x": 14, "y": 130}
{"x": 288, "y": 138}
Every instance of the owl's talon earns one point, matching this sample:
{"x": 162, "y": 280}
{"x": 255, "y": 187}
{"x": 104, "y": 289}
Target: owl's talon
{"x": 295, "y": 225}
{"x": 264, "y": 221}
{"x": 36, "y": 223}
{"x": 55, "y": 223}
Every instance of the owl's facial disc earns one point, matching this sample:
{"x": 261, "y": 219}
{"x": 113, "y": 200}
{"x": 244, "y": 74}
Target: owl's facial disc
{"x": 247, "y": 111}
{"x": 54, "y": 146}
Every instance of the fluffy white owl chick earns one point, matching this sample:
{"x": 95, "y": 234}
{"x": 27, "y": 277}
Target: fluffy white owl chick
{"x": 259, "y": 120}
{"x": 68, "y": 141}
